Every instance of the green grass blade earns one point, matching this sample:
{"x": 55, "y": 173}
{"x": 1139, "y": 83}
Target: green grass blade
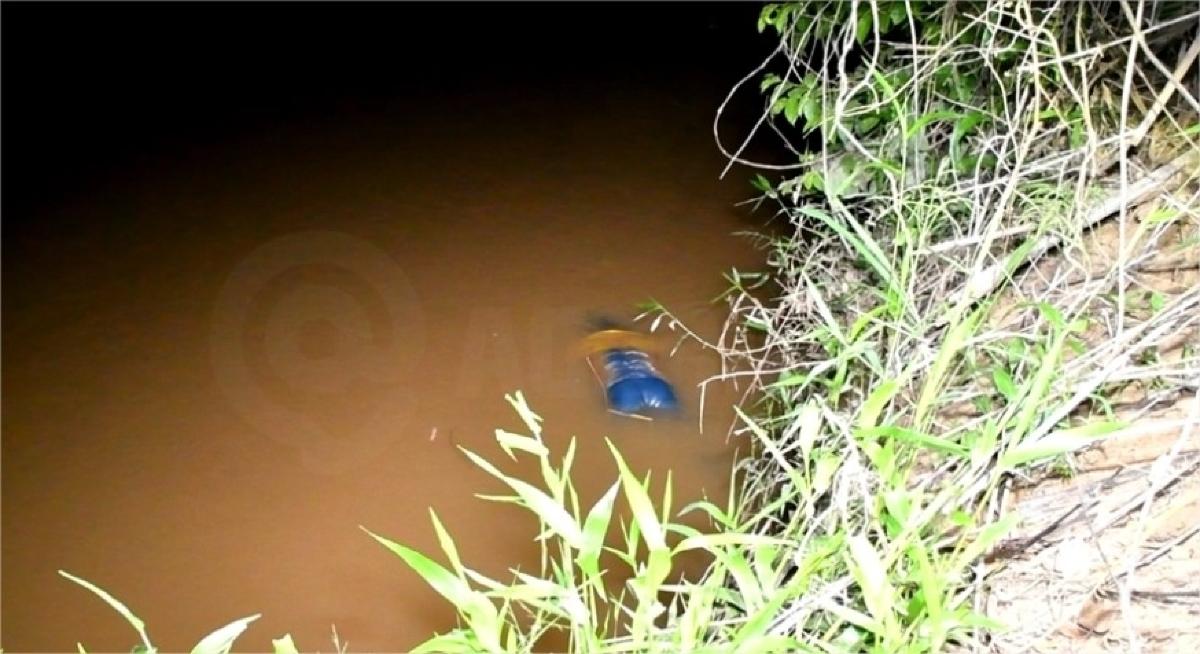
{"x": 531, "y": 419}
{"x": 932, "y": 588}
{"x": 1036, "y": 390}
{"x": 595, "y": 529}
{"x": 988, "y": 536}
{"x": 480, "y": 612}
{"x": 509, "y": 441}
{"x": 284, "y": 645}
{"x": 550, "y": 511}
{"x": 913, "y": 436}
{"x": 447, "y": 543}
{"x": 458, "y": 641}
{"x": 1059, "y": 442}
{"x": 446, "y": 583}
{"x": 868, "y": 415}
{"x": 746, "y": 581}
{"x": 713, "y": 541}
{"x": 878, "y": 592}
{"x": 639, "y": 501}
{"x": 136, "y": 622}
{"x": 951, "y": 345}
{"x": 221, "y": 640}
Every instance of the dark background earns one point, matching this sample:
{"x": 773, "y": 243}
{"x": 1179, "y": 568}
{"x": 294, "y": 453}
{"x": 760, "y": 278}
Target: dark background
{"x": 91, "y": 89}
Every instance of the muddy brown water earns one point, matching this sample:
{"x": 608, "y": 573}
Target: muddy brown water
{"x": 216, "y": 371}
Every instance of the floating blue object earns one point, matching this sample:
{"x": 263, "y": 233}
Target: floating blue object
{"x": 634, "y": 384}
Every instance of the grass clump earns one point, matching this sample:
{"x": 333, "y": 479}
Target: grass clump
{"x": 977, "y": 187}
{"x": 630, "y": 603}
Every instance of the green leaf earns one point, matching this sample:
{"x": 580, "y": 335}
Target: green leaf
{"x": 767, "y": 16}
{"x": 733, "y": 560}
{"x": 885, "y": 23}
{"x": 478, "y": 609}
{"x": 791, "y": 107}
{"x": 1157, "y": 301}
{"x": 988, "y": 536}
{"x": 866, "y": 124}
{"x": 878, "y": 592}
{"x": 1052, "y": 315}
{"x": 863, "y": 27}
{"x": 532, "y": 589}
{"x": 595, "y": 528}
{"x": 1035, "y": 391}
{"x": 962, "y": 518}
{"x": 868, "y": 415}
{"x": 1016, "y": 349}
{"x": 1004, "y": 383}
{"x": 777, "y": 106}
{"x": 964, "y": 125}
{"x": 446, "y": 583}
{"x": 812, "y": 111}
{"x": 639, "y": 501}
{"x": 790, "y": 378}
{"x": 826, "y": 465}
{"x": 1060, "y": 442}
{"x": 447, "y": 543}
{"x": 862, "y": 242}
{"x": 221, "y": 640}
{"x": 459, "y": 641}
{"x": 284, "y": 645}
{"x": 509, "y": 441}
{"x": 931, "y": 117}
{"x": 810, "y": 428}
{"x": 531, "y": 419}
{"x": 932, "y": 590}
{"x": 711, "y": 510}
{"x": 765, "y": 643}
{"x": 712, "y": 542}
{"x": 955, "y": 339}
{"x": 971, "y": 619}
{"x": 667, "y": 497}
{"x": 136, "y": 622}
{"x": 549, "y": 511}
{"x": 909, "y": 435}
{"x": 1160, "y": 215}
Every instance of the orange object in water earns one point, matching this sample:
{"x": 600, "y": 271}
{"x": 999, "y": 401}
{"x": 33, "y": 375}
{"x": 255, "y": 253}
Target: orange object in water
{"x": 616, "y": 339}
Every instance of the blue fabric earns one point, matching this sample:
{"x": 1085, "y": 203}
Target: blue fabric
{"x": 634, "y": 385}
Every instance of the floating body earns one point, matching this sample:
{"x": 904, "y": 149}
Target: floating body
{"x": 632, "y": 384}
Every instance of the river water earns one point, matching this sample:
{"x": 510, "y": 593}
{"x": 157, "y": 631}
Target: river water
{"x": 220, "y": 362}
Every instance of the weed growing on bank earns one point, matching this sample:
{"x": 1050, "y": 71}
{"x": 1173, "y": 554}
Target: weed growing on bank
{"x": 982, "y": 195}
